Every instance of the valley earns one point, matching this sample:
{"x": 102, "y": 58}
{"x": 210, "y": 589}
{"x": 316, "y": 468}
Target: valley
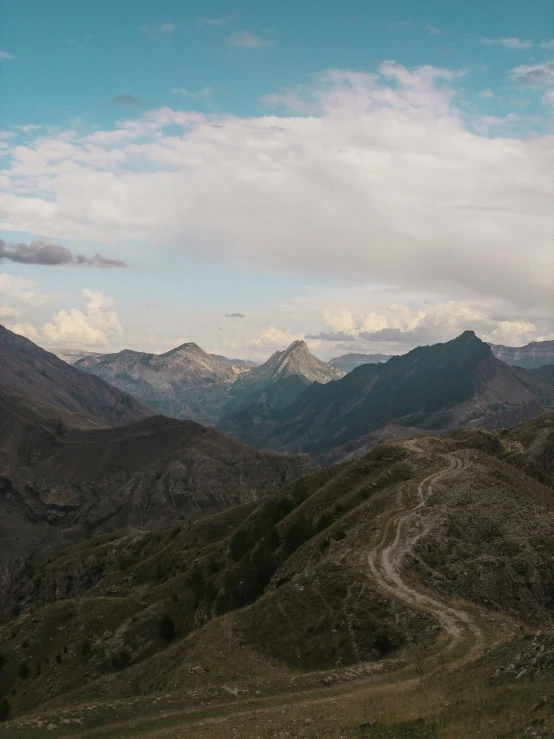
{"x": 163, "y": 579}
{"x": 276, "y": 370}
{"x": 361, "y": 603}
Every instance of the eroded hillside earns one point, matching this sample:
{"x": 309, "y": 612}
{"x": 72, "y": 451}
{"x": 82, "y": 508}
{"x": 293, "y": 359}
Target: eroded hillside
{"x": 420, "y": 556}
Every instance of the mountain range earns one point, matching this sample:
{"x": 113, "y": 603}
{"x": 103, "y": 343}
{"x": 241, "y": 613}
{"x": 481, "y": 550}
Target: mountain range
{"x": 79, "y": 456}
{"x": 187, "y": 382}
{"x": 432, "y": 388}
{"x": 531, "y": 356}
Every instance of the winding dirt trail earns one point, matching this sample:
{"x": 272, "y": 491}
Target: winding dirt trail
{"x": 385, "y": 566}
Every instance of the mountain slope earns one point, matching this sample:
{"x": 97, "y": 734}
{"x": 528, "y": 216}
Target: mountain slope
{"x": 533, "y": 355}
{"x": 420, "y": 560}
{"x": 43, "y": 377}
{"x": 60, "y": 483}
{"x": 348, "y": 362}
{"x": 280, "y": 380}
{"x": 435, "y": 388}
{"x": 185, "y": 382}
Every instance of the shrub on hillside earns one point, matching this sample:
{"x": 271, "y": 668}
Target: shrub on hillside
{"x": 121, "y": 660}
{"x": 324, "y": 521}
{"x": 23, "y": 671}
{"x": 299, "y": 492}
{"x": 242, "y": 542}
{"x": 4, "y": 709}
{"x": 299, "y": 532}
{"x": 197, "y": 583}
{"x": 260, "y": 571}
{"x": 271, "y": 540}
{"x": 166, "y": 627}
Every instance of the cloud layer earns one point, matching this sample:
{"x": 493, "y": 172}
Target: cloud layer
{"x": 47, "y": 254}
{"x": 384, "y": 182}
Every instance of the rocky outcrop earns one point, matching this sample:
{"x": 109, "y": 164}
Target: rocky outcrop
{"x": 533, "y": 355}
{"x": 280, "y": 380}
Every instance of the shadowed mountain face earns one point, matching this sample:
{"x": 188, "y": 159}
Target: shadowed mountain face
{"x": 348, "y": 362}
{"x": 435, "y": 388}
{"x": 281, "y": 379}
{"x": 533, "y": 355}
{"x": 60, "y": 483}
{"x": 43, "y": 377}
{"x": 185, "y": 382}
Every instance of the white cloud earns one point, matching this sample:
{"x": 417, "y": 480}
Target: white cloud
{"x": 247, "y": 40}
{"x": 548, "y": 98}
{"x": 549, "y": 44}
{"x": 339, "y": 320}
{"x": 508, "y": 43}
{"x": 8, "y": 312}
{"x": 203, "y": 94}
{"x": 29, "y": 128}
{"x": 25, "y": 329}
{"x": 433, "y": 30}
{"x": 158, "y": 32}
{"x": 5, "y": 55}
{"x": 289, "y": 99}
{"x": 212, "y": 21}
{"x": 385, "y": 185}
{"x": 534, "y": 74}
{"x": 20, "y": 291}
{"x": 491, "y": 124}
{"x": 512, "y": 333}
{"x": 93, "y": 327}
{"x": 488, "y": 93}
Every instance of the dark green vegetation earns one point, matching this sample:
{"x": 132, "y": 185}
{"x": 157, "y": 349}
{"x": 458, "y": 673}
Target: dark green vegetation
{"x": 434, "y": 388}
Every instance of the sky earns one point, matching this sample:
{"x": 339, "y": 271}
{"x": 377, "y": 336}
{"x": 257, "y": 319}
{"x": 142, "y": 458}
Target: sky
{"x": 367, "y": 176}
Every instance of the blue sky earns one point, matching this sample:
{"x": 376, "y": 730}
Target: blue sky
{"x": 74, "y": 58}
{"x": 242, "y": 205}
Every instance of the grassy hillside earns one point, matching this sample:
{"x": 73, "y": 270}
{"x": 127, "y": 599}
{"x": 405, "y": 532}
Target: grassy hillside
{"x": 417, "y": 559}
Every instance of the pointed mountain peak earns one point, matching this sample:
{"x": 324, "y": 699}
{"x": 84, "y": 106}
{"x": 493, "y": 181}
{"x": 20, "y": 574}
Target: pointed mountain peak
{"x": 469, "y": 339}
{"x": 189, "y": 348}
{"x": 297, "y": 347}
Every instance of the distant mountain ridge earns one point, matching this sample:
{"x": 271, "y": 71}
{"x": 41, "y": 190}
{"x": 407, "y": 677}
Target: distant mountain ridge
{"x": 433, "y": 388}
{"x": 531, "y": 356}
{"x": 348, "y": 362}
{"x": 185, "y": 382}
{"x": 43, "y": 377}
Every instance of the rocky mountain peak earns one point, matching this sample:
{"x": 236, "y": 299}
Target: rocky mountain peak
{"x": 188, "y": 348}
{"x": 297, "y": 347}
{"x": 297, "y": 359}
